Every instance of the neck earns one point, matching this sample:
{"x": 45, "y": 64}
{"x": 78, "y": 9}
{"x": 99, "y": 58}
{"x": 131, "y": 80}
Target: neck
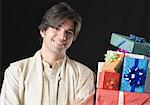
{"x": 51, "y": 57}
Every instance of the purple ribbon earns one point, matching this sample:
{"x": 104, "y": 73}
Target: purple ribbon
{"x": 122, "y": 50}
{"x": 136, "y": 77}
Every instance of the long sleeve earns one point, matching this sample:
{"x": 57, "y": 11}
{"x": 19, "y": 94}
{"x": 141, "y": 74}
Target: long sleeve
{"x": 9, "y": 91}
{"x": 85, "y": 95}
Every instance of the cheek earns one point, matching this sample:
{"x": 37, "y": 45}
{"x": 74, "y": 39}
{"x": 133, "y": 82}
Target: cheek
{"x": 70, "y": 41}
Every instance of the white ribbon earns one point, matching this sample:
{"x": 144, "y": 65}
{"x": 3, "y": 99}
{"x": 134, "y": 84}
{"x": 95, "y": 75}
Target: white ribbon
{"x": 121, "y": 98}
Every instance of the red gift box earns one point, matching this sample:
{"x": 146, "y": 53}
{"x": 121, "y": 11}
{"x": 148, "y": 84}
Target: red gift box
{"x": 114, "y": 97}
{"x": 132, "y": 98}
{"x": 107, "y": 97}
{"x": 108, "y": 80}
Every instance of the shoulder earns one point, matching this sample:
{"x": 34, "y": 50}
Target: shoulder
{"x": 17, "y": 67}
{"x": 21, "y": 64}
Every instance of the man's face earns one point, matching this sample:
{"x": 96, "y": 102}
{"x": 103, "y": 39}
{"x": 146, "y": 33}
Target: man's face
{"x": 58, "y": 39}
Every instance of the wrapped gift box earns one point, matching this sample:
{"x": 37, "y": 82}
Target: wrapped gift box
{"x": 108, "y": 80}
{"x": 134, "y": 74}
{"x": 132, "y": 98}
{"x": 106, "y": 97}
{"x": 147, "y": 81}
{"x": 113, "y": 61}
{"x": 125, "y": 43}
{"x": 137, "y": 56}
{"x": 114, "y": 97}
{"x": 99, "y": 66}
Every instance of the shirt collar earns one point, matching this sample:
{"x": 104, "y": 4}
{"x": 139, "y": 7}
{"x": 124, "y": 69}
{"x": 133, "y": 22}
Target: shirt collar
{"x": 56, "y": 64}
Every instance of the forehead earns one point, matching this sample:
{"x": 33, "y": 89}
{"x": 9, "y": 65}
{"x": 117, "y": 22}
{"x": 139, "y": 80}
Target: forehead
{"x": 69, "y": 24}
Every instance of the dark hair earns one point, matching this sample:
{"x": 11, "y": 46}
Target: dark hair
{"x": 57, "y": 14}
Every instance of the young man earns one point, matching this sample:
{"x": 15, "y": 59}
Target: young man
{"x": 50, "y": 77}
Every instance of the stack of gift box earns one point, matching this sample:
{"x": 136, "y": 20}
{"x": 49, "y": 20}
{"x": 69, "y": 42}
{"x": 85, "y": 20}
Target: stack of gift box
{"x": 124, "y": 77}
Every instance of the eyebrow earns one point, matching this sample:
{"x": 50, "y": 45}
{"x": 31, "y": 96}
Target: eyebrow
{"x": 68, "y": 29}
{"x": 71, "y": 30}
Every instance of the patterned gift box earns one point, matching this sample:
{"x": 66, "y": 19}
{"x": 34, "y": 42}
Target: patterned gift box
{"x": 134, "y": 74}
{"x": 107, "y": 97}
{"x": 147, "y": 81}
{"x": 108, "y": 80}
{"x": 113, "y": 61}
{"x": 130, "y": 44}
{"x": 132, "y": 98}
{"x": 114, "y": 97}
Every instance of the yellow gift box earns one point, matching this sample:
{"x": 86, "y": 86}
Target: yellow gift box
{"x": 113, "y": 61}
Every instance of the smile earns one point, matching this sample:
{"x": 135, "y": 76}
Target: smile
{"x": 59, "y": 43}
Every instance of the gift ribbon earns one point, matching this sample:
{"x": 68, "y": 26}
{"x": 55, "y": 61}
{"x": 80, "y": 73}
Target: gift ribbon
{"x": 120, "y": 43}
{"x": 121, "y": 98}
{"x": 136, "y": 39}
{"x": 122, "y": 101}
{"x": 139, "y": 39}
{"x": 122, "y": 50}
{"x": 110, "y": 57}
{"x": 136, "y": 77}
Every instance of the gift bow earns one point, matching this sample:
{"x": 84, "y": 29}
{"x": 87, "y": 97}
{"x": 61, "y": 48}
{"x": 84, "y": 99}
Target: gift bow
{"x": 111, "y": 56}
{"x": 122, "y": 50}
{"x": 136, "y": 77}
{"x": 137, "y": 39}
{"x": 111, "y": 83}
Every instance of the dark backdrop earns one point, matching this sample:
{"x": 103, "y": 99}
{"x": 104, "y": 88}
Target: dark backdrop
{"x": 20, "y": 20}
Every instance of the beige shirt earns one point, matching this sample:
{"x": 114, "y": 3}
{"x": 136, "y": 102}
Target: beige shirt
{"x": 32, "y": 82}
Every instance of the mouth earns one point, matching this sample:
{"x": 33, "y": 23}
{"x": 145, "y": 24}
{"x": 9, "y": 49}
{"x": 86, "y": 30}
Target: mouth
{"x": 59, "y": 43}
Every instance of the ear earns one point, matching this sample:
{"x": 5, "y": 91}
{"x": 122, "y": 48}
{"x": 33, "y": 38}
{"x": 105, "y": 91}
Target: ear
{"x": 42, "y": 33}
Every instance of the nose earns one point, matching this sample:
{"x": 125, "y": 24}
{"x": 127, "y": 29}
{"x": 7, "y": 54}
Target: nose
{"x": 62, "y": 35}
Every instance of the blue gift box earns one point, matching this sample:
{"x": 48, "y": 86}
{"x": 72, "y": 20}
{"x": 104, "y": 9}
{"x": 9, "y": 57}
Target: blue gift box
{"x": 134, "y": 74}
{"x": 135, "y": 45}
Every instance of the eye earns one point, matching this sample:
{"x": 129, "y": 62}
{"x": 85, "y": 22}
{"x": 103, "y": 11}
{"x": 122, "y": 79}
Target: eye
{"x": 69, "y": 33}
{"x": 57, "y": 28}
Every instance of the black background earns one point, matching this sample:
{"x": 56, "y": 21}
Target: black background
{"x": 20, "y": 34}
